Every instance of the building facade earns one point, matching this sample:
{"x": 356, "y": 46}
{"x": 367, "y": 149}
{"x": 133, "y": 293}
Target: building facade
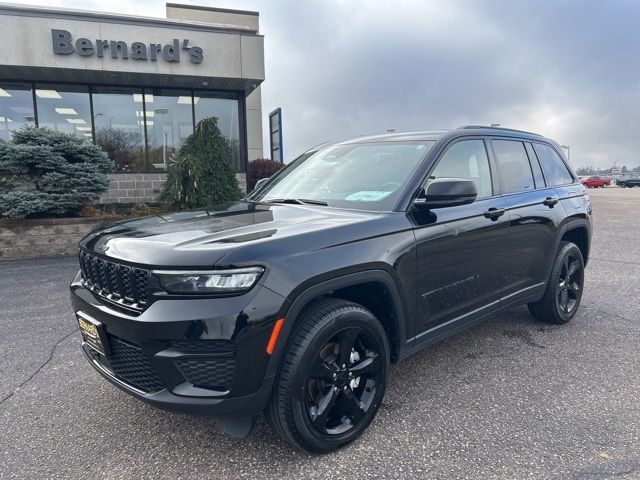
{"x": 134, "y": 86}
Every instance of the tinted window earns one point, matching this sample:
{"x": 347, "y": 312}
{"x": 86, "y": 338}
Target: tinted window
{"x": 466, "y": 159}
{"x": 555, "y": 171}
{"x": 535, "y": 166}
{"x": 513, "y": 164}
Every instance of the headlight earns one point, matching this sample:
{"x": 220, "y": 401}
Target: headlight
{"x": 214, "y": 281}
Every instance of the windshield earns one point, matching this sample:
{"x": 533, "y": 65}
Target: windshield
{"x": 365, "y": 176}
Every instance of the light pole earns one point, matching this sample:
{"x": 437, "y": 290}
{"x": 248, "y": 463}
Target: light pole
{"x": 568, "y": 150}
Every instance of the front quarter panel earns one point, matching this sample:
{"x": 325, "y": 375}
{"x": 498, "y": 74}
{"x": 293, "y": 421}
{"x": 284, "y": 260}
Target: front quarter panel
{"x": 384, "y": 243}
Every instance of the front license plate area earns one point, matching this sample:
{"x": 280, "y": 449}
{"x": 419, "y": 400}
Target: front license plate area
{"x": 91, "y": 331}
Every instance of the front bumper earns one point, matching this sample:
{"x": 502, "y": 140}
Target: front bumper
{"x": 201, "y": 356}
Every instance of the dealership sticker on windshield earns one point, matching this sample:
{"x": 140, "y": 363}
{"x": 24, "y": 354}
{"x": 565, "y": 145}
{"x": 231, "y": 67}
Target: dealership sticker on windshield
{"x": 367, "y": 196}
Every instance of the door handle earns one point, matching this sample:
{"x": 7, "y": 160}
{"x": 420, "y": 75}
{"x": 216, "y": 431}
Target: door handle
{"x": 550, "y": 201}
{"x": 494, "y": 213}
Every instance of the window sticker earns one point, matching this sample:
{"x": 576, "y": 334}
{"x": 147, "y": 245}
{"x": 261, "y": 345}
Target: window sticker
{"x": 367, "y": 196}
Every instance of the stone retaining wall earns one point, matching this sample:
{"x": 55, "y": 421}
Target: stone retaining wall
{"x": 44, "y": 237}
{"x": 60, "y": 236}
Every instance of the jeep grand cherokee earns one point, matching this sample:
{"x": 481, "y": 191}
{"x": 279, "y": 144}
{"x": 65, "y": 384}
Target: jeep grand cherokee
{"x": 294, "y": 301}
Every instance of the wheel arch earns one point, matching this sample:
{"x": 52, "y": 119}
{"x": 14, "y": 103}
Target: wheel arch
{"x": 578, "y": 234}
{"x": 574, "y": 228}
{"x": 375, "y": 290}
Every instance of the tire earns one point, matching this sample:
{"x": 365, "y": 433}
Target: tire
{"x": 563, "y": 294}
{"x": 316, "y": 405}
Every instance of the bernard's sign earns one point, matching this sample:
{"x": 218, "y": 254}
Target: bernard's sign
{"x": 63, "y": 44}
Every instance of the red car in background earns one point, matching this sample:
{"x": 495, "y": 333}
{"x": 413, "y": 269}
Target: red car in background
{"x": 596, "y": 182}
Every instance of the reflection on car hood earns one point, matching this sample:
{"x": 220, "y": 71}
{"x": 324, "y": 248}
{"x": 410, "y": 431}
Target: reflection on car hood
{"x": 203, "y": 237}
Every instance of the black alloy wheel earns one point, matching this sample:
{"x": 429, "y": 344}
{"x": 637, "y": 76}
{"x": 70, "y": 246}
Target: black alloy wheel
{"x": 343, "y": 381}
{"x": 564, "y": 288}
{"x": 569, "y": 288}
{"x": 333, "y": 377}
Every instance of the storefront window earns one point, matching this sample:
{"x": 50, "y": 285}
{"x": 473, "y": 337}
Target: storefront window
{"x": 169, "y": 123}
{"x": 118, "y": 119}
{"x": 64, "y": 108}
{"x": 209, "y": 104}
{"x": 16, "y": 108}
{"x": 118, "y": 115}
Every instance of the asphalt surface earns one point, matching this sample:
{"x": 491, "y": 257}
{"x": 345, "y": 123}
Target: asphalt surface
{"x": 509, "y": 399}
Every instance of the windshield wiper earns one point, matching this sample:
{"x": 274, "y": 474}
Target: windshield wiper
{"x": 298, "y": 201}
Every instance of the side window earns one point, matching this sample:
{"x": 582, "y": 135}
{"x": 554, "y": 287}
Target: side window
{"x": 513, "y": 165}
{"x": 467, "y": 159}
{"x": 555, "y": 171}
{"x": 535, "y": 166}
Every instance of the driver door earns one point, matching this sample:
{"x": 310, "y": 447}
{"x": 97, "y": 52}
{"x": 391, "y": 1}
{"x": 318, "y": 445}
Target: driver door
{"x": 460, "y": 255}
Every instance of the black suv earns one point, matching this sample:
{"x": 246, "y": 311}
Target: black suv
{"x": 628, "y": 182}
{"x": 295, "y": 300}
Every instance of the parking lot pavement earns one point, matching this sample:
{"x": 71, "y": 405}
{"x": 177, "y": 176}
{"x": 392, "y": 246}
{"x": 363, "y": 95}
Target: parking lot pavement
{"x": 509, "y": 399}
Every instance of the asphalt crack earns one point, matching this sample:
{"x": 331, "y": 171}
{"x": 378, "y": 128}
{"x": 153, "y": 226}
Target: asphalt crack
{"x": 39, "y": 369}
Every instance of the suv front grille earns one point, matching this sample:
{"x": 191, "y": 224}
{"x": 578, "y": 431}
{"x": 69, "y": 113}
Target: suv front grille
{"x": 130, "y": 364}
{"x": 122, "y": 284}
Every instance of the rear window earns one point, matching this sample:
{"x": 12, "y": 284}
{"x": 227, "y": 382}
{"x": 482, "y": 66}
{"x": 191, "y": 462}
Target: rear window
{"x": 555, "y": 171}
{"x": 513, "y": 164}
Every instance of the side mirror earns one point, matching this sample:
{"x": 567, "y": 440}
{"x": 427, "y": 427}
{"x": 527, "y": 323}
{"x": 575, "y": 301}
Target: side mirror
{"x": 260, "y": 183}
{"x": 447, "y": 192}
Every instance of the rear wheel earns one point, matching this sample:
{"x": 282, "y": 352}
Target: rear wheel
{"x": 564, "y": 288}
{"x": 333, "y": 377}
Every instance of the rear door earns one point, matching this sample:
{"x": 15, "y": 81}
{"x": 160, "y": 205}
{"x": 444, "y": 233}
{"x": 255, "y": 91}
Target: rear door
{"x": 559, "y": 176}
{"x": 534, "y": 216}
{"x": 460, "y": 255}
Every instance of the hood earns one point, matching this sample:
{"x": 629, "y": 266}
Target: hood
{"x": 201, "y": 238}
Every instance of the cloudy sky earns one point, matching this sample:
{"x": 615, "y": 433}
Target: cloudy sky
{"x": 342, "y": 68}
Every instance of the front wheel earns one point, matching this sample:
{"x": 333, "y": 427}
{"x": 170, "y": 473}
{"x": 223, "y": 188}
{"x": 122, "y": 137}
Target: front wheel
{"x": 332, "y": 379}
{"x": 564, "y": 288}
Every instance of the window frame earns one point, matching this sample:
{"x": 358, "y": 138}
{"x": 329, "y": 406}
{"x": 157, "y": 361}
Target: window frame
{"x": 448, "y": 146}
{"x": 533, "y": 157}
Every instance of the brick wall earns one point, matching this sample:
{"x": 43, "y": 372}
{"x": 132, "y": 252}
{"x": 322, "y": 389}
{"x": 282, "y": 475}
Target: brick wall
{"x": 135, "y": 188}
{"x": 44, "y": 237}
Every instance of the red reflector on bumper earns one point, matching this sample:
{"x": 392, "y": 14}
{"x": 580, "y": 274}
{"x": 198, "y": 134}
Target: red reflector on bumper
{"x": 274, "y": 335}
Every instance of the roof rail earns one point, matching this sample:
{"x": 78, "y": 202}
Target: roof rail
{"x": 469, "y": 127}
